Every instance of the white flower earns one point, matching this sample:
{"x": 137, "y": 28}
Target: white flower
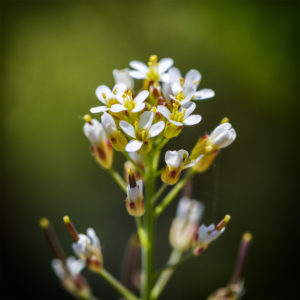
{"x": 86, "y": 244}
{"x": 207, "y": 234}
{"x": 135, "y": 193}
{"x": 180, "y": 116}
{"x": 126, "y": 102}
{"x": 179, "y": 159}
{"x": 189, "y": 209}
{"x": 107, "y": 97}
{"x": 223, "y": 135}
{"x": 73, "y": 265}
{"x": 143, "y": 132}
{"x": 122, "y": 76}
{"x": 155, "y": 71}
{"x": 184, "y": 90}
{"x": 94, "y": 131}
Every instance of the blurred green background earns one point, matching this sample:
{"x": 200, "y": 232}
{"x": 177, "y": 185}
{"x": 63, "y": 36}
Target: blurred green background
{"x": 54, "y": 54}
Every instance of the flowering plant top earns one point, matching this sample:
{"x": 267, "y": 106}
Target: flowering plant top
{"x": 139, "y": 124}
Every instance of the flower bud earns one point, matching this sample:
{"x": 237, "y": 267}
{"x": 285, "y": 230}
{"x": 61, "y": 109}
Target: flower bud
{"x": 116, "y": 137}
{"x": 128, "y": 165}
{"x": 185, "y": 225}
{"x": 135, "y": 200}
{"x": 87, "y": 247}
{"x": 230, "y": 292}
{"x": 101, "y": 147}
{"x": 207, "y": 234}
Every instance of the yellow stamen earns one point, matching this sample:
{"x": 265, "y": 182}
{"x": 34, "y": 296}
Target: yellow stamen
{"x": 153, "y": 58}
{"x": 104, "y": 95}
{"x": 66, "y": 219}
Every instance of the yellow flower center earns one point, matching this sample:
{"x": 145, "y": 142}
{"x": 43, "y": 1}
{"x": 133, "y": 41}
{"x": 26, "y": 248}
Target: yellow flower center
{"x": 177, "y": 115}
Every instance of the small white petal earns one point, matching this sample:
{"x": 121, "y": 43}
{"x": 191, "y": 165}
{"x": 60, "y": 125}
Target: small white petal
{"x": 192, "y": 163}
{"x": 146, "y": 119}
{"x": 203, "y": 94}
{"x": 174, "y": 75}
{"x": 122, "y": 76}
{"x": 117, "y": 108}
{"x": 98, "y": 109}
{"x": 74, "y": 265}
{"x": 175, "y": 122}
{"x": 176, "y": 87}
{"x": 103, "y": 89}
{"x": 141, "y": 97}
{"x": 156, "y": 129}
{"x": 94, "y": 131}
{"x": 137, "y": 75}
{"x": 138, "y": 107}
{"x": 192, "y": 120}
{"x": 133, "y": 146}
{"x": 138, "y": 65}
{"x": 119, "y": 88}
{"x": 93, "y": 237}
{"x": 108, "y": 123}
{"x": 189, "y": 107}
{"x": 58, "y": 268}
{"x": 164, "y": 64}
{"x": 164, "y": 77}
{"x": 127, "y": 128}
{"x": 192, "y": 79}
{"x": 164, "y": 111}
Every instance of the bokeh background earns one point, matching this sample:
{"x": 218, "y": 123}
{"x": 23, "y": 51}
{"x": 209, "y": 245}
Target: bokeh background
{"x": 53, "y": 56}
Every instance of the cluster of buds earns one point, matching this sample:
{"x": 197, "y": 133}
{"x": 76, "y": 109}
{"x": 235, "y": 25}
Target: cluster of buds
{"x": 67, "y": 269}
{"x": 86, "y": 246}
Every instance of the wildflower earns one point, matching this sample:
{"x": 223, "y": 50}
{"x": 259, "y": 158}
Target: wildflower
{"x": 155, "y": 71}
{"x": 127, "y": 103}
{"x": 116, "y": 137}
{"x": 87, "y": 247}
{"x": 184, "y": 226}
{"x": 207, "y": 234}
{"x": 209, "y": 145}
{"x": 135, "y": 200}
{"x": 183, "y": 90}
{"x": 69, "y": 274}
{"x": 67, "y": 269}
{"x": 177, "y": 118}
{"x": 142, "y": 132}
{"x": 176, "y": 161}
{"x": 107, "y": 96}
{"x": 122, "y": 76}
{"x": 101, "y": 147}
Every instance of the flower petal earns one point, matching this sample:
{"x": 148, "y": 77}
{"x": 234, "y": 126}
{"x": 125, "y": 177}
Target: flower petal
{"x": 108, "y": 123}
{"x": 146, "y": 119}
{"x": 137, "y": 75}
{"x": 117, "y": 108}
{"x": 192, "y": 163}
{"x": 127, "y": 128}
{"x": 139, "y": 66}
{"x": 176, "y": 87}
{"x": 156, "y": 129}
{"x": 164, "y": 64}
{"x": 141, "y": 97}
{"x": 103, "y": 89}
{"x": 203, "y": 94}
{"x": 192, "y": 120}
{"x": 133, "y": 146}
{"x": 175, "y": 122}
{"x": 189, "y": 107}
{"x": 174, "y": 75}
{"x": 98, "y": 109}
{"x": 164, "y": 111}
{"x": 139, "y": 107}
{"x": 192, "y": 79}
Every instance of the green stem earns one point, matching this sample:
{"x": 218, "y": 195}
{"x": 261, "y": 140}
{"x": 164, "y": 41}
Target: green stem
{"x": 158, "y": 193}
{"x": 117, "y": 285}
{"x": 173, "y": 193}
{"x": 147, "y": 254}
{"x": 141, "y": 232}
{"x": 166, "y": 275}
{"x": 118, "y": 179}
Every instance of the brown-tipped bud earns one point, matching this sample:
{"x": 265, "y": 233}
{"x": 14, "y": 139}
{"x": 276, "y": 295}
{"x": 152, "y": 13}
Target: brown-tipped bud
{"x": 135, "y": 204}
{"x": 52, "y": 240}
{"x": 231, "y": 292}
{"x": 129, "y": 165}
{"x": 131, "y": 179}
{"x": 71, "y": 228}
